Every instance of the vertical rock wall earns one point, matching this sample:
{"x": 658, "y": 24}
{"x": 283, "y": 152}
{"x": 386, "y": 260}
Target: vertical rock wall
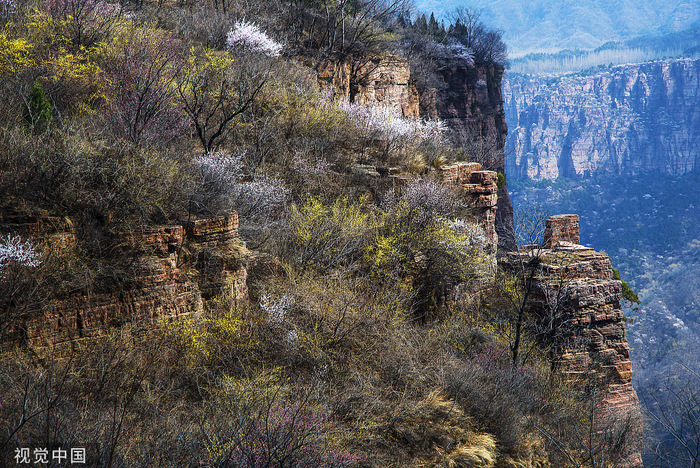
{"x": 168, "y": 270}
{"x": 578, "y": 283}
{"x": 383, "y": 80}
{"x": 621, "y": 120}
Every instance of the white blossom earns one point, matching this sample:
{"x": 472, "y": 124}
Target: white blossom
{"x": 276, "y": 311}
{"x": 248, "y": 37}
{"x": 262, "y": 197}
{"x": 460, "y": 51}
{"x": 15, "y": 251}
{"x": 474, "y": 233}
{"x": 221, "y": 170}
{"x": 389, "y": 123}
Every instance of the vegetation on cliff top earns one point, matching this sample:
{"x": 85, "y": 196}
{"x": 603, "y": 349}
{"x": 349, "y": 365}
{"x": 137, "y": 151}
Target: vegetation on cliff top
{"x": 351, "y": 353}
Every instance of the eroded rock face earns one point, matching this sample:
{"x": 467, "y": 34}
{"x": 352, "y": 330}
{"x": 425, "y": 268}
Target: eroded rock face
{"x": 384, "y": 81}
{"x": 592, "y": 340}
{"x": 168, "y": 270}
{"x": 624, "y": 120}
{"x": 471, "y": 102}
{"x": 481, "y": 191}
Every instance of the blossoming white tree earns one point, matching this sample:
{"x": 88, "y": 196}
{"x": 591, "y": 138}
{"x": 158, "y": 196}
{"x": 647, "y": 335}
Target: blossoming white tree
{"x": 248, "y": 37}
{"x": 259, "y": 201}
{"x": 16, "y": 287}
{"x": 15, "y": 251}
{"x": 388, "y": 124}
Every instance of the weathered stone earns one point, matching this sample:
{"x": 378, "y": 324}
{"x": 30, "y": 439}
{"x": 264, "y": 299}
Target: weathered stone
{"x": 581, "y": 283}
{"x": 470, "y": 102}
{"x": 561, "y": 228}
{"x": 382, "y": 80}
{"x": 480, "y": 190}
{"x": 158, "y": 288}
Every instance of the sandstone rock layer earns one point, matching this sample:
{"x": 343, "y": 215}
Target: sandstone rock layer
{"x": 576, "y": 284}
{"x": 166, "y": 271}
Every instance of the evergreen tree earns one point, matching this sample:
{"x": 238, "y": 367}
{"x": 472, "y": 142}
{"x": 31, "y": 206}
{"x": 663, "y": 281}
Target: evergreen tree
{"x": 37, "y": 111}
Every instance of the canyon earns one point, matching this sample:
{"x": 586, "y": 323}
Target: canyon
{"x": 626, "y": 120}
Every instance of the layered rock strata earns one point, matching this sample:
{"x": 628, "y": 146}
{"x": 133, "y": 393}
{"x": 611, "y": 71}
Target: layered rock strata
{"x": 575, "y": 289}
{"x": 622, "y": 120}
{"x": 381, "y": 80}
{"x": 480, "y": 190}
{"x": 168, "y": 268}
{"x": 470, "y": 102}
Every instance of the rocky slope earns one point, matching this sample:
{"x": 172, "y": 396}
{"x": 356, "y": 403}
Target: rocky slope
{"x": 622, "y": 120}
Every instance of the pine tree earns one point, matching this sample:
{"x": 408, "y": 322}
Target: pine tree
{"x": 37, "y": 111}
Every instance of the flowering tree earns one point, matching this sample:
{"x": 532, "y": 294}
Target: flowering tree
{"x": 259, "y": 202}
{"x": 16, "y": 252}
{"x": 16, "y": 256}
{"x": 388, "y": 124}
{"x": 7, "y": 9}
{"x": 247, "y": 37}
{"x": 485, "y": 45}
{"x": 423, "y": 249}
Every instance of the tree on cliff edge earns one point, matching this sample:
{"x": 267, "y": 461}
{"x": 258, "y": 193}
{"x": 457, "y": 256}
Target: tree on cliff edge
{"x": 485, "y": 43}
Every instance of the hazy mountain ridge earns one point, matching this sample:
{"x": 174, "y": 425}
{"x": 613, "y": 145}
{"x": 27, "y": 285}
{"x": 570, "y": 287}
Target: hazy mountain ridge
{"x": 546, "y": 26}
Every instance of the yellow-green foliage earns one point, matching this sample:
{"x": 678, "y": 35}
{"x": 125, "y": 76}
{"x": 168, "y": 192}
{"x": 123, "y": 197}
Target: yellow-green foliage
{"x": 80, "y": 76}
{"x": 191, "y": 337}
{"x": 405, "y": 242}
{"x": 330, "y": 236}
{"x": 15, "y": 54}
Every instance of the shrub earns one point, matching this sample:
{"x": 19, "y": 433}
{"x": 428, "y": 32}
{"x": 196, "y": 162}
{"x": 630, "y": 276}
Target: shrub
{"x": 255, "y": 426}
{"x": 260, "y": 202}
{"x": 16, "y": 252}
{"x": 37, "y": 112}
{"x": 388, "y": 124}
{"x": 143, "y": 69}
{"x": 329, "y": 237}
{"x": 247, "y": 37}
{"x": 421, "y": 248}
{"x": 84, "y": 22}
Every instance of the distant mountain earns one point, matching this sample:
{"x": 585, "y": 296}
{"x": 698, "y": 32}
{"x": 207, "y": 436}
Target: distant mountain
{"x": 547, "y": 25}
{"x": 622, "y": 120}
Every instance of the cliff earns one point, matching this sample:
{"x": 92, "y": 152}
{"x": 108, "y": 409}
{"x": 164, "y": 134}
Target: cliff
{"x": 470, "y": 101}
{"x": 167, "y": 273}
{"x": 575, "y": 289}
{"x": 622, "y": 120}
{"x": 384, "y": 80}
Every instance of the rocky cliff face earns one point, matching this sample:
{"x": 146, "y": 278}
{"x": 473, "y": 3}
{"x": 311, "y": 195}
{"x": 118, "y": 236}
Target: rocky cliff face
{"x": 575, "y": 289}
{"x": 384, "y": 80}
{"x": 170, "y": 270}
{"x": 626, "y": 119}
{"x": 471, "y": 102}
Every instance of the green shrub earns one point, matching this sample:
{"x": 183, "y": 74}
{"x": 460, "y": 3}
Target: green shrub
{"x": 37, "y": 111}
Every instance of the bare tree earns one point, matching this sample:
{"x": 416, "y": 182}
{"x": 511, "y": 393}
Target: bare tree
{"x": 216, "y": 89}
{"x": 486, "y": 44}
